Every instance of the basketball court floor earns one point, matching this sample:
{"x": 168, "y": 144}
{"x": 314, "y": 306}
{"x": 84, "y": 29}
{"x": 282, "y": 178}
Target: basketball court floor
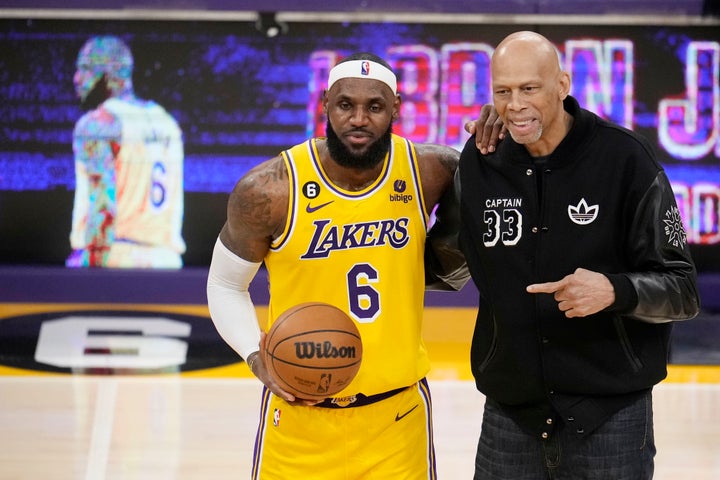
{"x": 61, "y": 420}
{"x": 180, "y": 428}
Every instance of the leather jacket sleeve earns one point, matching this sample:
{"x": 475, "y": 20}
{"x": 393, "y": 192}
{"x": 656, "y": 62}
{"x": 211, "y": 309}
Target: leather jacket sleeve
{"x": 445, "y": 265}
{"x": 663, "y": 276}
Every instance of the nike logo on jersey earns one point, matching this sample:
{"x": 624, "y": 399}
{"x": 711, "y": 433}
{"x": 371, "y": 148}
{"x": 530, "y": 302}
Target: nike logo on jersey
{"x": 310, "y": 209}
{"x": 399, "y": 417}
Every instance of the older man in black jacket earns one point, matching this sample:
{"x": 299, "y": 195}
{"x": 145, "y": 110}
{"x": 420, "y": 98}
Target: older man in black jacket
{"x": 573, "y": 237}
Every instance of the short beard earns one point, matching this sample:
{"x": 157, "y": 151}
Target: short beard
{"x": 96, "y": 96}
{"x": 364, "y": 161}
{"x": 528, "y": 141}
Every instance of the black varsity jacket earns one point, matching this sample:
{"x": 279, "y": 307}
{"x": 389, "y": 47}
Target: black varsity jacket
{"x": 600, "y": 202}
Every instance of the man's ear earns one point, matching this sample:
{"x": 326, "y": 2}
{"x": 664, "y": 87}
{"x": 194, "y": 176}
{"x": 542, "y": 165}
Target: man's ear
{"x": 324, "y": 102}
{"x": 565, "y": 83}
{"x": 396, "y": 107}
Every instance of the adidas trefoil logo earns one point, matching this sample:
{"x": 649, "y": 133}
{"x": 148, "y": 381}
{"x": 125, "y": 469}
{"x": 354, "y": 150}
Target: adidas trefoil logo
{"x": 582, "y": 214}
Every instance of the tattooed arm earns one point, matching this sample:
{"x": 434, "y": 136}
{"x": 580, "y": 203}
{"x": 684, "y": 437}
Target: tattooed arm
{"x": 257, "y": 210}
{"x": 256, "y": 214}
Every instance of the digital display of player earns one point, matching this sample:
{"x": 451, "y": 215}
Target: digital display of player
{"x": 241, "y": 98}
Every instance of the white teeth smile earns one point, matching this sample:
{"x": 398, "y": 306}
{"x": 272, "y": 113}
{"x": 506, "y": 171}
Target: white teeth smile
{"x": 522, "y": 124}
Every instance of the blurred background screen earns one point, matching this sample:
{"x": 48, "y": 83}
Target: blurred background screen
{"x": 240, "y": 97}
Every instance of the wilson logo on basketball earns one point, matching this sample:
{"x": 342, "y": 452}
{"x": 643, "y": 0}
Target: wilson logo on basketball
{"x": 323, "y": 350}
{"x": 313, "y": 350}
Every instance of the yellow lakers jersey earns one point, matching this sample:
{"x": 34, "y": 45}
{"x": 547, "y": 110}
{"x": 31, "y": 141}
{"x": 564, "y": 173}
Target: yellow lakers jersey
{"x": 149, "y": 175}
{"x": 362, "y": 252}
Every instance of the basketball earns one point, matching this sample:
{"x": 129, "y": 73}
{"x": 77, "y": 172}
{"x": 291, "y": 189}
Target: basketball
{"x": 313, "y": 350}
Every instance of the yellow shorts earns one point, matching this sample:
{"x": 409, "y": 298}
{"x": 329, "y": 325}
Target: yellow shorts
{"x": 390, "y": 439}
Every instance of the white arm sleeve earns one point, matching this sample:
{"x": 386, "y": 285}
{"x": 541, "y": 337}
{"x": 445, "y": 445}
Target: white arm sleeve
{"x": 231, "y": 307}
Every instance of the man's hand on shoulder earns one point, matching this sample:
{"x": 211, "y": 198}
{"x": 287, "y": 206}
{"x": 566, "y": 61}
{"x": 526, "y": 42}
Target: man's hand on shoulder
{"x": 489, "y": 129}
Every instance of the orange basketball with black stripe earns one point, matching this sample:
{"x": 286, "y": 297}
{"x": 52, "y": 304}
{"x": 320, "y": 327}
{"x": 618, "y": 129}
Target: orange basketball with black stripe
{"x": 314, "y": 350}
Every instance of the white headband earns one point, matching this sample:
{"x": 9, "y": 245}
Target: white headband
{"x": 363, "y": 69}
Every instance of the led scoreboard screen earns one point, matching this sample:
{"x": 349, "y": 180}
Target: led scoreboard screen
{"x": 240, "y": 98}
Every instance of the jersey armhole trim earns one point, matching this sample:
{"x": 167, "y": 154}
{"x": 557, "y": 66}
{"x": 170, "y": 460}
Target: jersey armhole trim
{"x": 292, "y": 200}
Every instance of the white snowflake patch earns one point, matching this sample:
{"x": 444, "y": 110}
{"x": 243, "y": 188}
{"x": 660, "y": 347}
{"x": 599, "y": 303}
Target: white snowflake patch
{"x": 674, "y": 229}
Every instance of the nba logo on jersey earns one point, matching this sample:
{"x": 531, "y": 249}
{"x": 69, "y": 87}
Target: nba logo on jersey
{"x": 365, "y": 68}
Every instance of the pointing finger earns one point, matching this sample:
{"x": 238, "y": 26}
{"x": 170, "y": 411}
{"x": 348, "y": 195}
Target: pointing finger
{"x": 548, "y": 287}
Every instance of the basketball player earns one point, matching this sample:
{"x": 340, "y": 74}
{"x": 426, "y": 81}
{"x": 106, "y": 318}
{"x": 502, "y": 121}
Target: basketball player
{"x": 128, "y": 205}
{"x": 340, "y": 219}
